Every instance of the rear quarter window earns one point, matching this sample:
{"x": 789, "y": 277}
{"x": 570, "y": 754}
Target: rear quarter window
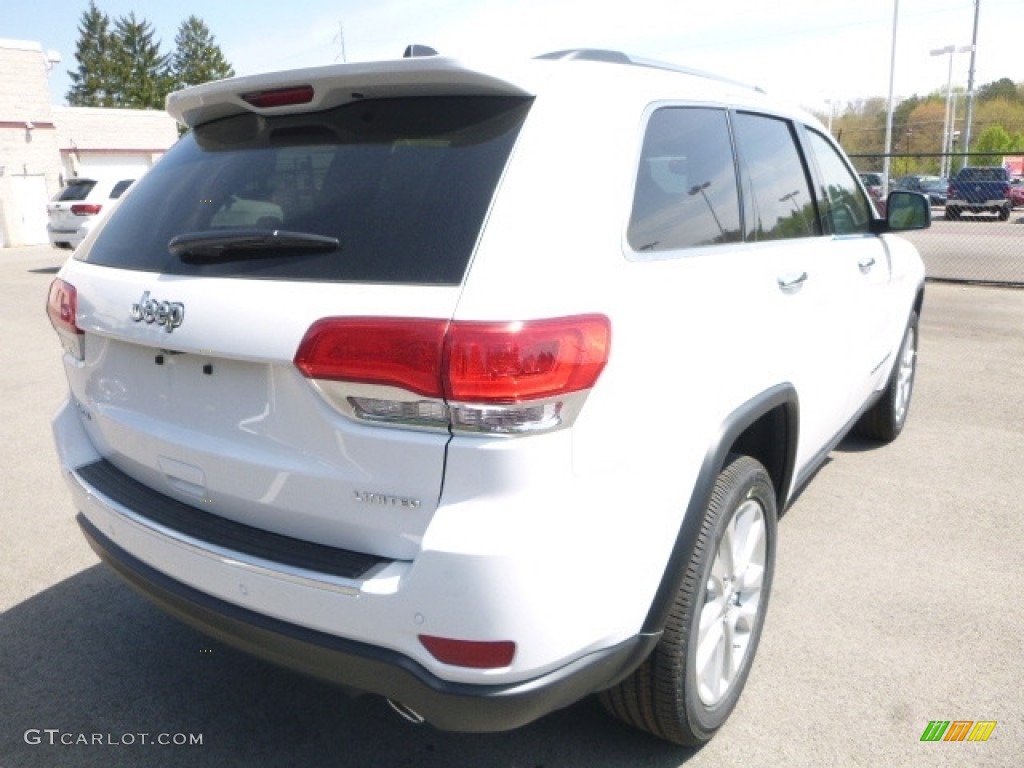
{"x": 404, "y": 184}
{"x": 119, "y": 188}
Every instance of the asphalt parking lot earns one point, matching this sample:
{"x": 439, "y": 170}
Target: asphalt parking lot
{"x": 976, "y": 248}
{"x": 896, "y": 602}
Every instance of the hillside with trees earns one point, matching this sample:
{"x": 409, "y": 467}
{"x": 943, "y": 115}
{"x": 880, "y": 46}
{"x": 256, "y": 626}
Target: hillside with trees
{"x": 918, "y": 125}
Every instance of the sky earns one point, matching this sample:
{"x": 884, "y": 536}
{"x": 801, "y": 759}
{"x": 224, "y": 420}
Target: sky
{"x": 810, "y": 52}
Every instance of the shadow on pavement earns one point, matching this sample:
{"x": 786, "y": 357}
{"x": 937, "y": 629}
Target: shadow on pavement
{"x": 88, "y": 656}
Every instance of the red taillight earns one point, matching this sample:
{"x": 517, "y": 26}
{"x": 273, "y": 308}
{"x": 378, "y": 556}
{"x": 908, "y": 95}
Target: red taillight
{"x": 61, "y": 305}
{"x": 470, "y": 653}
{"x": 280, "y": 97}
{"x": 475, "y": 362}
{"x": 62, "y": 308}
{"x": 512, "y": 362}
{"x": 395, "y": 352}
{"x": 86, "y": 209}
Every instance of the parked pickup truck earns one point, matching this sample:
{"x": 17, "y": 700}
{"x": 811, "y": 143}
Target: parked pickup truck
{"x": 979, "y": 190}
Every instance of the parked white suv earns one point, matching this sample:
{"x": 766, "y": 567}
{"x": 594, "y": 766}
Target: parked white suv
{"x": 79, "y": 207}
{"x": 481, "y": 389}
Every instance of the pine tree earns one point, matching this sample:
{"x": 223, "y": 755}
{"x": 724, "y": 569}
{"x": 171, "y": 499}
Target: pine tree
{"x": 139, "y": 69}
{"x": 197, "y": 57}
{"x": 90, "y": 84}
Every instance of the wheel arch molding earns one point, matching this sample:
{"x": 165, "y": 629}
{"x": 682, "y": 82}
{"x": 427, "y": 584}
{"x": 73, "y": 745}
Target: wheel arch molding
{"x": 766, "y": 428}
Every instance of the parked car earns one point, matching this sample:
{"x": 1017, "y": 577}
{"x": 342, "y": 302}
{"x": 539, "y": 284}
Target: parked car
{"x": 1017, "y": 192}
{"x": 933, "y": 187}
{"x": 874, "y": 183}
{"x": 979, "y": 189}
{"x": 79, "y": 206}
{"x": 502, "y": 412}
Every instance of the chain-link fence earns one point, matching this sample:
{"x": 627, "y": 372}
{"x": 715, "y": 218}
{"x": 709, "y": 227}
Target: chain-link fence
{"x": 973, "y": 247}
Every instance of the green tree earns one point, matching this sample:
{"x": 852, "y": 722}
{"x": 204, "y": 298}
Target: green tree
{"x": 140, "y": 71}
{"x": 90, "y": 83}
{"x": 1003, "y": 88}
{"x": 197, "y": 57}
{"x": 993, "y": 139}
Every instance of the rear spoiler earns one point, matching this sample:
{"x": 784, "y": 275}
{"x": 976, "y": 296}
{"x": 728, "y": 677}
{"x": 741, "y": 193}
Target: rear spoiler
{"x": 318, "y": 88}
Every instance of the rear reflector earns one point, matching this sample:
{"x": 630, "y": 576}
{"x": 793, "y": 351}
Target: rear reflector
{"x": 470, "y": 653}
{"x": 280, "y": 97}
{"x": 86, "y": 209}
{"x": 62, "y": 307}
{"x": 477, "y": 362}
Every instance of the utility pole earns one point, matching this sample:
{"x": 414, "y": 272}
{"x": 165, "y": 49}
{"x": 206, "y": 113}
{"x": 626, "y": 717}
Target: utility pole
{"x": 970, "y": 85}
{"x": 340, "y": 37}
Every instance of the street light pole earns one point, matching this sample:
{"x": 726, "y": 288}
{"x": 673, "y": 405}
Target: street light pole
{"x": 970, "y": 85}
{"x": 949, "y": 49}
{"x": 889, "y": 112}
{"x": 947, "y": 125}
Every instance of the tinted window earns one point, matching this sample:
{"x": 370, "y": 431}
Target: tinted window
{"x": 846, "y": 208}
{"x": 403, "y": 184}
{"x": 119, "y": 188}
{"x": 983, "y": 174}
{"x": 778, "y": 197}
{"x": 686, "y": 193}
{"x": 77, "y": 189}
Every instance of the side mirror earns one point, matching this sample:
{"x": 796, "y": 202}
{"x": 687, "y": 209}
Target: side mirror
{"x": 905, "y": 211}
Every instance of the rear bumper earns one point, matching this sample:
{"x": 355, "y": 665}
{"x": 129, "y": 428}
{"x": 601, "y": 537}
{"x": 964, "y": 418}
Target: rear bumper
{"x": 979, "y": 205}
{"x": 444, "y": 704}
{"x": 65, "y": 238}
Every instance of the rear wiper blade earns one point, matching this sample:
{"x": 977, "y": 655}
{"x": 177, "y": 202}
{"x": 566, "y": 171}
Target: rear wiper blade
{"x": 220, "y": 244}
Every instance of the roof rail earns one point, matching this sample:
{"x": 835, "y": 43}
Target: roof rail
{"x": 618, "y": 57}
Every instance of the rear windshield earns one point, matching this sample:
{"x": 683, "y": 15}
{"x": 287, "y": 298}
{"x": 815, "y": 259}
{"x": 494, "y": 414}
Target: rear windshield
{"x": 403, "y": 184}
{"x": 77, "y": 189}
{"x": 983, "y": 174}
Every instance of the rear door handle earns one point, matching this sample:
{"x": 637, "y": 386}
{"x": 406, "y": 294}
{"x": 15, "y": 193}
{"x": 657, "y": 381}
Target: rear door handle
{"x": 792, "y": 280}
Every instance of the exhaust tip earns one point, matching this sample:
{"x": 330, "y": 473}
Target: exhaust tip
{"x": 407, "y": 713}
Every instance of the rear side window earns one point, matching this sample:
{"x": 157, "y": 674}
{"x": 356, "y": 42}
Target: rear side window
{"x": 686, "y": 193}
{"x": 403, "y": 184}
{"x": 778, "y": 193}
{"x": 77, "y": 189}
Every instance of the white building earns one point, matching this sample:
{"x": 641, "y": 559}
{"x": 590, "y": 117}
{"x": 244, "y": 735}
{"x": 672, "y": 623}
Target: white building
{"x": 41, "y": 146}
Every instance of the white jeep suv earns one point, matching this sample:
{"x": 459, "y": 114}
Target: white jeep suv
{"x": 481, "y": 389}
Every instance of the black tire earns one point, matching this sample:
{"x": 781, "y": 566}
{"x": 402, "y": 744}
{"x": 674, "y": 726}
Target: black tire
{"x": 885, "y": 419}
{"x": 1004, "y": 214}
{"x": 952, "y": 214}
{"x": 667, "y": 695}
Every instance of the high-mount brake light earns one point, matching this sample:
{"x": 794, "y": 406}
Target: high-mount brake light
{"x": 280, "y": 97}
{"x": 62, "y": 308}
{"x": 482, "y": 377}
{"x": 86, "y": 209}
